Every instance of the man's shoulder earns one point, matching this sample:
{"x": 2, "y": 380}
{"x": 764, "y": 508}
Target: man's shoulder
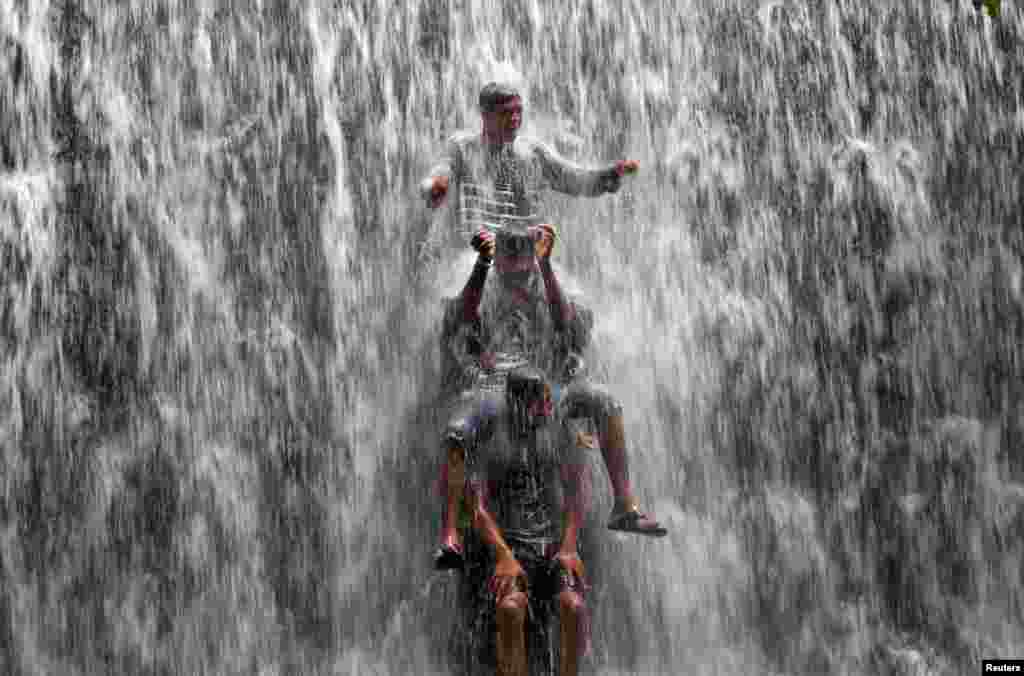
{"x": 464, "y": 138}
{"x": 530, "y": 144}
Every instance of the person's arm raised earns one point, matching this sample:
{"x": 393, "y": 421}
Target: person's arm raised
{"x": 473, "y": 292}
{"x": 561, "y": 310}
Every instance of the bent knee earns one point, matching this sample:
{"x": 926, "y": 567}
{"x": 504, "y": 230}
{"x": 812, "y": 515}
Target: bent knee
{"x": 512, "y": 607}
{"x": 458, "y": 432}
{"x": 571, "y": 603}
{"x": 455, "y": 454}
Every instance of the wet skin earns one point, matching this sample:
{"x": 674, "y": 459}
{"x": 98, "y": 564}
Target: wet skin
{"x": 502, "y": 124}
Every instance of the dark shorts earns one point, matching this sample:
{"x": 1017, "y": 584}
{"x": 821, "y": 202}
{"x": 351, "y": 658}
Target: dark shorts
{"x": 479, "y": 605}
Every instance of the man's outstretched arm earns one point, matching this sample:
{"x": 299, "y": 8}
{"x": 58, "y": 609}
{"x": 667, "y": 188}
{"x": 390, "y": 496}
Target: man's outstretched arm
{"x": 574, "y": 179}
{"x": 462, "y": 332}
{"x": 575, "y": 491}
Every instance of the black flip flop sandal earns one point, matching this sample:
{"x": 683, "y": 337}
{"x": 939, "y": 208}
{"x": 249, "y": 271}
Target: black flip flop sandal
{"x": 446, "y": 558}
{"x": 635, "y": 521}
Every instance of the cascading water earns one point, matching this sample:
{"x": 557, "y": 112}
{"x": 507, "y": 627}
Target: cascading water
{"x": 220, "y": 300}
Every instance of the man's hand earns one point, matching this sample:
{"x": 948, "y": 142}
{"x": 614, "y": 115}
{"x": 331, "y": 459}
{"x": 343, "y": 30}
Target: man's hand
{"x": 483, "y": 243}
{"x": 623, "y": 167}
{"x": 571, "y": 563}
{"x": 546, "y": 235}
{"x": 508, "y": 577}
{"x": 612, "y": 179}
{"x": 438, "y": 191}
{"x": 586, "y": 440}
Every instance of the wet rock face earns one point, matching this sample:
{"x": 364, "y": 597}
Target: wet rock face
{"x": 216, "y": 438}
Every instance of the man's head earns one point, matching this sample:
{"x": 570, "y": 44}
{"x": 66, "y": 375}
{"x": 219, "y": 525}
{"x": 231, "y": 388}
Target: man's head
{"x": 501, "y": 112}
{"x": 529, "y": 398}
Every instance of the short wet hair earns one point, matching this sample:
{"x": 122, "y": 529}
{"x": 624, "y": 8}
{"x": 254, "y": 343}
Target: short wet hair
{"x": 525, "y": 384}
{"x": 496, "y": 93}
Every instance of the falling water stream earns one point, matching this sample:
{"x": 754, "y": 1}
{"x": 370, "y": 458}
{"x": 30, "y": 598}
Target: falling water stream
{"x": 219, "y": 304}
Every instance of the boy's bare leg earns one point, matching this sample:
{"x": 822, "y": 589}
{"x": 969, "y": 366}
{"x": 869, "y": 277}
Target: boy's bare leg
{"x": 450, "y": 553}
{"x": 570, "y": 617}
{"x": 508, "y": 584}
{"x": 626, "y": 515}
{"x": 511, "y": 639}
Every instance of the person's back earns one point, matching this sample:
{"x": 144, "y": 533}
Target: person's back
{"x": 523, "y": 489}
{"x": 517, "y": 317}
{"x": 514, "y": 327}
